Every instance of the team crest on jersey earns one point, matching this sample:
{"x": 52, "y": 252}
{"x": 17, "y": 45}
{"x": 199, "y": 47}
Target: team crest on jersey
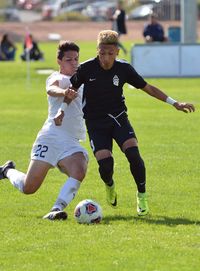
{"x": 116, "y": 80}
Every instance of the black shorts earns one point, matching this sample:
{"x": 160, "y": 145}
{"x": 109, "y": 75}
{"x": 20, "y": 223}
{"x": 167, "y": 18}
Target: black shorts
{"x": 102, "y": 131}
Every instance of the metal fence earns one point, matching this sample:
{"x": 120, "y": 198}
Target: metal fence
{"x": 168, "y": 9}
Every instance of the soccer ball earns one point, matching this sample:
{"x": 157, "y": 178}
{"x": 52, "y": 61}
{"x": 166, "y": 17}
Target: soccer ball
{"x": 88, "y": 212}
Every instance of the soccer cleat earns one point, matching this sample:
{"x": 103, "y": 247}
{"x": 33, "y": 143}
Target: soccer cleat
{"x": 56, "y": 214}
{"x": 111, "y": 195}
{"x": 142, "y": 204}
{"x": 4, "y": 168}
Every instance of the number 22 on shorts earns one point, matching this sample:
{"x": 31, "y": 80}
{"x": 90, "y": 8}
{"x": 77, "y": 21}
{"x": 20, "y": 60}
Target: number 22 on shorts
{"x": 41, "y": 150}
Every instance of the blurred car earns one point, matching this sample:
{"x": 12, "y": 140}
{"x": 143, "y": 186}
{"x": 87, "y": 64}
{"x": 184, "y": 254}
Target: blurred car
{"x": 149, "y": 1}
{"x": 98, "y": 11}
{"x": 10, "y": 14}
{"x": 78, "y": 7}
{"x": 141, "y": 12}
{"x": 166, "y": 10}
{"x": 51, "y": 8}
{"x": 29, "y": 4}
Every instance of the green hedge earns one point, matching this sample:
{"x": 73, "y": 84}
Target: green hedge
{"x": 71, "y": 16}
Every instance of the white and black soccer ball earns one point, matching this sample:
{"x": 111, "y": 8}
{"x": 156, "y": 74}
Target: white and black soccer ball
{"x": 88, "y": 212}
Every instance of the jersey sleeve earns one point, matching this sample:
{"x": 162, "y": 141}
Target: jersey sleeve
{"x": 78, "y": 78}
{"x": 63, "y": 81}
{"x": 134, "y": 79}
{"x": 52, "y": 79}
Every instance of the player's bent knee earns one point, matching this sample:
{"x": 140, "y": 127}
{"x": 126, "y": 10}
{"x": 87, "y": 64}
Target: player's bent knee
{"x": 29, "y": 190}
{"x": 106, "y": 167}
{"x": 133, "y": 156}
{"x": 79, "y": 175}
{"x": 32, "y": 185}
{"x": 78, "y": 172}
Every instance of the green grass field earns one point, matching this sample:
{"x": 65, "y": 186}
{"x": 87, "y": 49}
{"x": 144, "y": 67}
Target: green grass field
{"x": 167, "y": 240}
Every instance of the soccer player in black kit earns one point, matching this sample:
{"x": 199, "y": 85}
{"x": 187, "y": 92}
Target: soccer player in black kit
{"x": 105, "y": 113}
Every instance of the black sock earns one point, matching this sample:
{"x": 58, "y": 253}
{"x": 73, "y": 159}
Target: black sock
{"x": 106, "y": 170}
{"x": 137, "y": 168}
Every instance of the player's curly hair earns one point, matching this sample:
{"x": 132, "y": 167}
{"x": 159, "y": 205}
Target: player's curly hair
{"x": 65, "y": 46}
{"x": 108, "y": 37}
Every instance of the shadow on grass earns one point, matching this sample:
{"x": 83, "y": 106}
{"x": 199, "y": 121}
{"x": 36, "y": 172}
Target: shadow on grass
{"x": 158, "y": 220}
{"x": 108, "y": 219}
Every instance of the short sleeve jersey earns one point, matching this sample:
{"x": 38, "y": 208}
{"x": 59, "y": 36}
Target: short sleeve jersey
{"x": 73, "y": 122}
{"x": 103, "y": 89}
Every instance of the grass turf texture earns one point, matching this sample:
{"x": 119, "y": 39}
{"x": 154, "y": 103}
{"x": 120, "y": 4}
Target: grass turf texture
{"x": 168, "y": 239}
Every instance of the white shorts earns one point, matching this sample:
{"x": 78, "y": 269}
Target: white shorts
{"x": 47, "y": 150}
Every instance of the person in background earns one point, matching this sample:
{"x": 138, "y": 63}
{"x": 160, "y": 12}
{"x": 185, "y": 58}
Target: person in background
{"x": 119, "y": 23}
{"x": 31, "y": 50}
{"x": 8, "y": 48}
{"x": 154, "y": 32}
{"x": 2, "y": 56}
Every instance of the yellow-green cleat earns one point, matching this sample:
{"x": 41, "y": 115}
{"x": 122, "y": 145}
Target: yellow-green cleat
{"x": 142, "y": 204}
{"x": 111, "y": 196}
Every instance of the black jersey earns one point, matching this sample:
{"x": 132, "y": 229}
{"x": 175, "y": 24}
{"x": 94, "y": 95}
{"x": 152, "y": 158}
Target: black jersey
{"x": 103, "y": 89}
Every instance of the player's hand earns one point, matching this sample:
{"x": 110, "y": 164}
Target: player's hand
{"x": 148, "y": 39}
{"x": 70, "y": 95}
{"x": 59, "y": 117}
{"x": 185, "y": 107}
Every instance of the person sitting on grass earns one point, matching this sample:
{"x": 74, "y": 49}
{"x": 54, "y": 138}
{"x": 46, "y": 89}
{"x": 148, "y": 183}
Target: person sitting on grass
{"x": 8, "y": 48}
{"x": 31, "y": 50}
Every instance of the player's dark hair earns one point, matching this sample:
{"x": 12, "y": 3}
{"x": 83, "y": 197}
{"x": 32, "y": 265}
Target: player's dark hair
{"x": 65, "y": 46}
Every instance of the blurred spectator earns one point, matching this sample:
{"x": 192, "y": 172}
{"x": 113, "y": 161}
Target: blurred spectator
{"x": 31, "y": 49}
{"x": 119, "y": 23}
{"x": 2, "y": 56}
{"x": 8, "y": 48}
{"x": 154, "y": 30}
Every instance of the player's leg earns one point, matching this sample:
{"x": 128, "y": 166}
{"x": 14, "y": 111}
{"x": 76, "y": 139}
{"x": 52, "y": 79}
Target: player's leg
{"x": 74, "y": 166}
{"x": 138, "y": 171}
{"x": 100, "y": 134}
{"x": 3, "y": 168}
{"x": 126, "y": 139}
{"x": 121, "y": 46}
{"x": 35, "y": 176}
{"x": 30, "y": 182}
{"x": 106, "y": 170}
{"x": 137, "y": 167}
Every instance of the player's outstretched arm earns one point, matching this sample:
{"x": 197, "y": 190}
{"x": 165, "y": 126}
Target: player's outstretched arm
{"x": 55, "y": 91}
{"x": 157, "y": 93}
{"x": 70, "y": 95}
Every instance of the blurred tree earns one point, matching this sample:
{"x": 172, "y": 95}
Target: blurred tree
{"x": 3, "y": 3}
{"x": 7, "y": 3}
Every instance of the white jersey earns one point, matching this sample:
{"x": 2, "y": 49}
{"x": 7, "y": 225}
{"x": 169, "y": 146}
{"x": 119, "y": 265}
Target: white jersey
{"x": 73, "y": 124}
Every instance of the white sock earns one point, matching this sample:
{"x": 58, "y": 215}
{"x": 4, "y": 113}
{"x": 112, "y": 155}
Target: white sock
{"x": 16, "y": 178}
{"x": 67, "y": 193}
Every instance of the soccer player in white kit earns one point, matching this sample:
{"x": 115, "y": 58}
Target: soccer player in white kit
{"x": 57, "y": 145}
